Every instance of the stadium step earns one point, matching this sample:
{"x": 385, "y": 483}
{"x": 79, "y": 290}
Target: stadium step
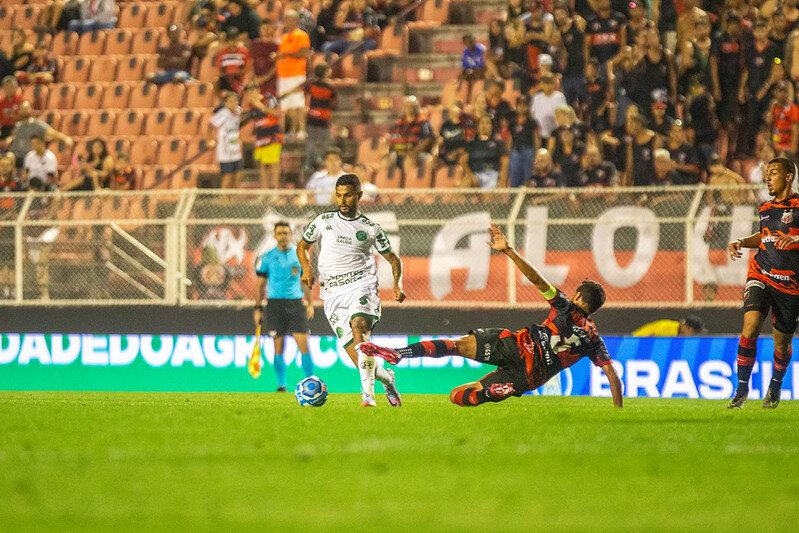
{"x": 476, "y": 11}
{"x": 427, "y": 68}
{"x": 443, "y": 39}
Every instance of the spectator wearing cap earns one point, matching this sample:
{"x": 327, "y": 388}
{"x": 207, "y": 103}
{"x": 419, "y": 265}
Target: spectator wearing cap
{"x": 243, "y": 18}
{"x": 174, "y": 58}
{"x": 546, "y": 67}
{"x": 684, "y": 155}
{"x": 234, "y": 62}
{"x": 543, "y": 105}
{"x": 525, "y": 140}
{"x": 661, "y": 123}
{"x": 570, "y": 53}
{"x": 322, "y": 183}
{"x": 784, "y": 120}
{"x": 291, "y": 65}
{"x": 28, "y": 127}
{"x": 687, "y": 327}
{"x": 95, "y": 15}
{"x": 40, "y": 163}
{"x": 411, "y": 138}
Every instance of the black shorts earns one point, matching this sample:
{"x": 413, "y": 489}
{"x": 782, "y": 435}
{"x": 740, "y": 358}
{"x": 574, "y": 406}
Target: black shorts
{"x": 284, "y": 317}
{"x": 497, "y": 346}
{"x": 760, "y": 296}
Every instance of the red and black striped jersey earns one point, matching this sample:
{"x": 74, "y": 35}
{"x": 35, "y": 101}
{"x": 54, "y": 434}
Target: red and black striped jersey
{"x": 778, "y": 268}
{"x": 566, "y": 336}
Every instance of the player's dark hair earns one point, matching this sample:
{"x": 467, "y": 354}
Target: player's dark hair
{"x": 593, "y": 294}
{"x": 785, "y": 164}
{"x": 350, "y": 180}
{"x": 282, "y": 224}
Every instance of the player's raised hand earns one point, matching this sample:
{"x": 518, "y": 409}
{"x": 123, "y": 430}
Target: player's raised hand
{"x": 399, "y": 294}
{"x": 498, "y": 240}
{"x": 785, "y": 242}
{"x": 307, "y": 279}
{"x": 734, "y": 249}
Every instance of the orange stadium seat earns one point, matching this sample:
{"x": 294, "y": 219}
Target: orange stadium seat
{"x": 172, "y": 152}
{"x": 448, "y": 177}
{"x": 145, "y": 41}
{"x": 92, "y": 43}
{"x": 6, "y": 18}
{"x": 270, "y": 10}
{"x": 147, "y": 182}
{"x": 131, "y": 68}
{"x": 388, "y": 178}
{"x": 116, "y": 96}
{"x": 185, "y": 178}
{"x": 179, "y": 14}
{"x": 63, "y": 153}
{"x": 65, "y": 43}
{"x": 53, "y": 118}
{"x": 200, "y": 94}
{"x": 143, "y": 96}
{"x": 89, "y": 96}
{"x": 75, "y": 123}
{"x": 186, "y": 123}
{"x": 101, "y": 124}
{"x": 372, "y": 151}
{"x": 158, "y": 122}
{"x": 76, "y": 70}
{"x": 118, "y": 41}
{"x": 392, "y": 39}
{"x": 435, "y": 11}
{"x": 171, "y": 95}
{"x": 37, "y": 95}
{"x": 418, "y": 176}
{"x": 132, "y": 15}
{"x": 197, "y": 147}
{"x": 27, "y": 18}
{"x": 207, "y": 71}
{"x": 62, "y": 96}
{"x": 159, "y": 15}
{"x": 119, "y": 145}
{"x": 104, "y": 68}
{"x": 129, "y": 123}
{"x": 143, "y": 151}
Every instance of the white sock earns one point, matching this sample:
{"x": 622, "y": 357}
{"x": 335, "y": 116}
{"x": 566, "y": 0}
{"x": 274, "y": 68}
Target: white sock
{"x": 380, "y": 372}
{"x": 366, "y": 367}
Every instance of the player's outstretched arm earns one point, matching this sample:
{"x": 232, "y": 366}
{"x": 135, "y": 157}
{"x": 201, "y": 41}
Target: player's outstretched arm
{"x": 305, "y": 263}
{"x": 615, "y": 384}
{"x": 500, "y": 243}
{"x": 396, "y": 270}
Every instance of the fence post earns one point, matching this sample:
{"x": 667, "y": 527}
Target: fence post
{"x": 19, "y": 256}
{"x": 510, "y": 230}
{"x": 181, "y": 219}
{"x": 690, "y": 218}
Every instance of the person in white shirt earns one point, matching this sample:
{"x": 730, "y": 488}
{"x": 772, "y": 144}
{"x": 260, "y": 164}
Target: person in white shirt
{"x": 40, "y": 163}
{"x": 323, "y": 182}
{"x": 227, "y": 120}
{"x": 544, "y": 104}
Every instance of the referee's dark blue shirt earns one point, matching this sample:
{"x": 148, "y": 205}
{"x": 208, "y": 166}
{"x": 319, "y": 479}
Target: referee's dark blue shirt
{"x": 283, "y": 271}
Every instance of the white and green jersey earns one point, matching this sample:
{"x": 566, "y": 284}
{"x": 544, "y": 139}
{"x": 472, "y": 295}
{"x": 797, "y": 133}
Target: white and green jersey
{"x": 345, "y": 257}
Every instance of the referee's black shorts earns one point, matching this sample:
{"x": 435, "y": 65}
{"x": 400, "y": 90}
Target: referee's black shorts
{"x": 284, "y": 317}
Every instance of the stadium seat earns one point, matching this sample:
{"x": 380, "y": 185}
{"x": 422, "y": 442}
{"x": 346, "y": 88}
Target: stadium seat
{"x": 37, "y": 95}
{"x": 158, "y": 122}
{"x": 89, "y": 96}
{"x": 6, "y": 18}
{"x": 65, "y": 43}
{"x": 104, "y": 69}
{"x": 53, "y": 118}
{"x": 76, "y": 70}
{"x": 372, "y": 151}
{"x": 200, "y": 146}
{"x": 184, "y": 178}
{"x": 132, "y": 15}
{"x": 101, "y": 124}
{"x": 131, "y": 68}
{"x": 207, "y": 71}
{"x": 392, "y": 39}
{"x": 62, "y": 96}
{"x": 179, "y": 13}
{"x": 186, "y": 122}
{"x": 145, "y": 41}
{"x": 158, "y": 15}
{"x": 200, "y": 94}
{"x": 434, "y": 11}
{"x": 63, "y": 154}
{"x": 171, "y": 95}
{"x": 418, "y": 176}
{"x": 172, "y": 152}
{"x": 116, "y": 96}
{"x": 119, "y": 145}
{"x": 147, "y": 182}
{"x": 27, "y": 18}
{"x": 143, "y": 96}
{"x": 143, "y": 151}
{"x": 118, "y": 42}
{"x": 75, "y": 124}
{"x": 388, "y": 178}
{"x": 92, "y": 43}
{"x": 448, "y": 177}
{"x": 270, "y": 10}
{"x": 129, "y": 123}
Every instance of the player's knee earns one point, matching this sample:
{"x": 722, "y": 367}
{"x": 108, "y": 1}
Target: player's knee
{"x": 359, "y": 324}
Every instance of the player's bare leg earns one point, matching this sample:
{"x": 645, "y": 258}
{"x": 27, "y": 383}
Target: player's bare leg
{"x": 782, "y": 358}
{"x": 280, "y": 363}
{"x": 747, "y": 350}
{"x": 306, "y": 361}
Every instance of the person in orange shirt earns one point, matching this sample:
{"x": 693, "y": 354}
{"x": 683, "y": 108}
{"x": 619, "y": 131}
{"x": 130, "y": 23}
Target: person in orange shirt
{"x": 292, "y": 59}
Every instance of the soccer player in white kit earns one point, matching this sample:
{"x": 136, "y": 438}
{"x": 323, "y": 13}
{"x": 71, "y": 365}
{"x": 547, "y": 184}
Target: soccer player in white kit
{"x": 348, "y": 280}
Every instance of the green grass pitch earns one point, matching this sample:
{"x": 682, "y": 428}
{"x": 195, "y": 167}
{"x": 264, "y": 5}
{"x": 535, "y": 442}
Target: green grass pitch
{"x": 78, "y": 461}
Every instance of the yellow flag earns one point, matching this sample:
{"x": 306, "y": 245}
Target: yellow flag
{"x": 254, "y": 364}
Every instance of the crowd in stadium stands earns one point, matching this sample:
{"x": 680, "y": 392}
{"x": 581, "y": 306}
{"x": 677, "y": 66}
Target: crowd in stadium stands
{"x": 560, "y": 94}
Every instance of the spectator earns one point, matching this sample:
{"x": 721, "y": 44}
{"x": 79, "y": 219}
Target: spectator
{"x": 567, "y": 154}
{"x": 58, "y": 14}
{"x": 638, "y": 22}
{"x": 9, "y": 106}
{"x": 496, "y": 63}
{"x": 571, "y": 55}
{"x": 546, "y": 65}
{"x": 323, "y": 182}
{"x": 292, "y": 58}
{"x": 174, "y": 59}
{"x": 641, "y": 146}
{"x": 357, "y": 27}
{"x": 595, "y": 101}
{"x": 595, "y": 171}
{"x": 306, "y": 21}
{"x": 473, "y": 65}
{"x": 263, "y": 52}
{"x": 686, "y": 22}
{"x": 664, "y": 168}
{"x": 665, "y": 15}
{"x": 605, "y": 33}
{"x": 684, "y": 156}
{"x": 325, "y": 24}
{"x": 456, "y": 129}
{"x": 6, "y": 68}
{"x": 654, "y": 73}
{"x": 268, "y": 136}
{"x": 784, "y": 121}
{"x": 322, "y": 101}
{"x": 348, "y": 146}
{"x": 42, "y": 67}
{"x": 9, "y": 180}
{"x": 411, "y": 137}
{"x": 96, "y": 168}
{"x": 524, "y": 142}
{"x": 485, "y": 162}
{"x": 726, "y": 57}
{"x": 226, "y": 119}
{"x": 661, "y": 122}
{"x": 243, "y": 19}
{"x": 26, "y": 128}
{"x": 21, "y": 52}
{"x": 566, "y": 119}
{"x": 40, "y": 163}
{"x": 545, "y": 175}
{"x": 702, "y": 118}
{"x": 206, "y": 35}
{"x": 95, "y": 15}
{"x": 499, "y": 109}
{"x": 765, "y": 153}
{"x": 123, "y": 175}
{"x": 234, "y": 63}
{"x": 544, "y": 104}
{"x": 694, "y": 59}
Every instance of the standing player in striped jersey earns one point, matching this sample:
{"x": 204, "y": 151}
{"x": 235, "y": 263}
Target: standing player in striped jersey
{"x": 348, "y": 280}
{"x": 529, "y": 357}
{"x": 772, "y": 282}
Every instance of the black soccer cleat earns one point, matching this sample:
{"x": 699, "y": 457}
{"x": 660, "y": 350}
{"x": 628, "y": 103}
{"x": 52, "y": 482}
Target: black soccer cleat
{"x": 772, "y": 399}
{"x": 738, "y": 400}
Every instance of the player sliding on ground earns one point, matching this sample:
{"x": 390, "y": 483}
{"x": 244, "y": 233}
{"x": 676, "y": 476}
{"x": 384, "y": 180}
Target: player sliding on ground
{"x": 772, "y": 281}
{"x": 348, "y": 280}
{"x": 528, "y": 358}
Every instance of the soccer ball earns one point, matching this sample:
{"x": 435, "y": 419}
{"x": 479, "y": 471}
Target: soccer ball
{"x": 311, "y": 392}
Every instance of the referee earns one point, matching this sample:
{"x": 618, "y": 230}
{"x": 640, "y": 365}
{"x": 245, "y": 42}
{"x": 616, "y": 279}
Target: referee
{"x": 289, "y": 305}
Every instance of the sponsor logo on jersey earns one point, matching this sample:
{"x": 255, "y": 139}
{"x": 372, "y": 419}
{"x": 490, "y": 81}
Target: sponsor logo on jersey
{"x": 344, "y": 279}
{"x": 343, "y": 239}
{"x": 363, "y": 300}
